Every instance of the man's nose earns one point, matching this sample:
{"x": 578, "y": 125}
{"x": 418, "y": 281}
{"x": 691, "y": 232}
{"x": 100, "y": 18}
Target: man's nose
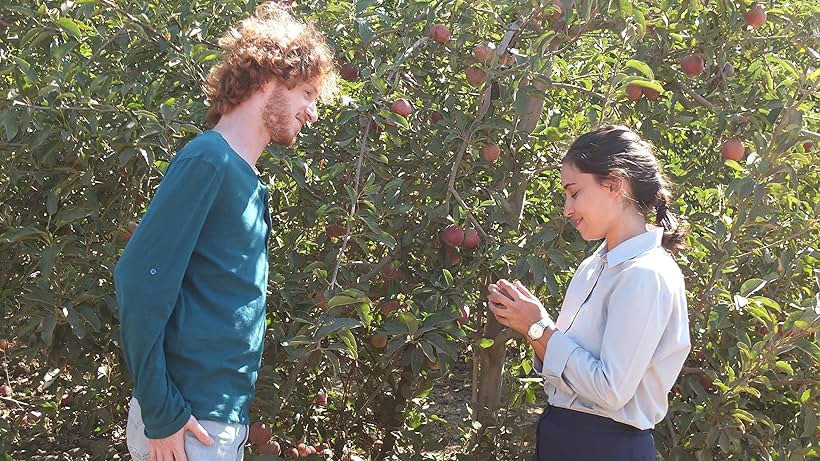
{"x": 312, "y": 113}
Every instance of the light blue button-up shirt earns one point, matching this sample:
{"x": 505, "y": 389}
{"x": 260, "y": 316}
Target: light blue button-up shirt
{"x": 623, "y": 334}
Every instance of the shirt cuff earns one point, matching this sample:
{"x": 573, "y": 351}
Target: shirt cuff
{"x": 537, "y": 364}
{"x": 559, "y": 348}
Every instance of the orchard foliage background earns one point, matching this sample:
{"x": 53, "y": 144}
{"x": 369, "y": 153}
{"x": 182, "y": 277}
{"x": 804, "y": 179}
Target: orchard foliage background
{"x": 367, "y": 306}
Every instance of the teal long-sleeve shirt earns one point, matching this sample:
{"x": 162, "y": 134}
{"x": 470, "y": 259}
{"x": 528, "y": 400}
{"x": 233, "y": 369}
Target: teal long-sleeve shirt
{"x": 191, "y": 288}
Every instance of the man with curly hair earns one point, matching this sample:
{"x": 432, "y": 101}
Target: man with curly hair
{"x": 192, "y": 280}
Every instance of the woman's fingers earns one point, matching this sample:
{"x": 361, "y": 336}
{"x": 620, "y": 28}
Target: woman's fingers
{"x": 522, "y": 289}
{"x": 496, "y": 296}
{"x": 509, "y": 290}
{"x": 498, "y": 310}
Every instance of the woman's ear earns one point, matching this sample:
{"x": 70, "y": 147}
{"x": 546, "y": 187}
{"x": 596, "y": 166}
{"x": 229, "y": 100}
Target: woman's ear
{"x": 613, "y": 184}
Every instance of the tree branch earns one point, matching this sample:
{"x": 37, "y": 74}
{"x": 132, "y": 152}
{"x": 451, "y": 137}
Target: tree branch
{"x": 362, "y": 151}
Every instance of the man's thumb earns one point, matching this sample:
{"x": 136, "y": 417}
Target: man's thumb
{"x": 199, "y": 431}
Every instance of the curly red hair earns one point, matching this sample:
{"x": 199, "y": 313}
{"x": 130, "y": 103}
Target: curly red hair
{"x": 270, "y": 44}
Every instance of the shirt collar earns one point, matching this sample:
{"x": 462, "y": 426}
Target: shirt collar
{"x": 630, "y": 248}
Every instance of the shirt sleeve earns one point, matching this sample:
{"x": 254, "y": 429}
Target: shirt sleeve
{"x": 638, "y": 312}
{"x": 148, "y": 278}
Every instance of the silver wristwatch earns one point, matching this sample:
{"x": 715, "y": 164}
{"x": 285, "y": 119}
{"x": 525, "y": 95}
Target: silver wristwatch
{"x": 536, "y": 330}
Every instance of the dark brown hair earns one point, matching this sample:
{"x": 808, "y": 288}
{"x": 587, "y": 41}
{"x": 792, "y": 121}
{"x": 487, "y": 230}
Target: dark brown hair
{"x": 270, "y": 44}
{"x": 616, "y": 152}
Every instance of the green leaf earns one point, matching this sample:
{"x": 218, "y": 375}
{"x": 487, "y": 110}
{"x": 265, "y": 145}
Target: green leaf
{"x": 25, "y": 68}
{"x": 336, "y": 325}
{"x": 410, "y": 321}
{"x": 365, "y": 31}
{"x": 343, "y": 300}
{"x": 448, "y": 277}
{"x": 350, "y": 343}
{"x": 625, "y": 8}
{"x": 362, "y": 5}
{"x": 70, "y": 26}
{"x": 743, "y": 415}
{"x": 10, "y": 123}
{"x": 652, "y": 84}
{"x": 641, "y": 67}
{"x": 751, "y": 286}
{"x": 22, "y": 233}
{"x": 485, "y": 343}
{"x": 784, "y": 367}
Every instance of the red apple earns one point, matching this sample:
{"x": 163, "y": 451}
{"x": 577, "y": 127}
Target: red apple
{"x": 471, "y": 239}
{"x": 321, "y": 398}
{"x": 5, "y": 390}
{"x": 271, "y": 448}
{"x": 651, "y": 94}
{"x": 292, "y": 453}
{"x": 440, "y": 33}
{"x": 320, "y": 299}
{"x": 5, "y": 345}
{"x": 302, "y": 450}
{"x": 728, "y": 70}
{"x": 452, "y": 235}
{"x": 388, "y": 307}
{"x": 259, "y": 433}
{"x": 807, "y": 146}
{"x": 378, "y": 341}
{"x": 452, "y": 258}
{"x": 707, "y": 382}
{"x": 490, "y": 152}
{"x": 335, "y": 230}
{"x": 375, "y": 128}
{"x": 634, "y": 92}
{"x": 732, "y": 149}
{"x": 692, "y": 65}
{"x": 476, "y": 76}
{"x": 756, "y": 16}
{"x": 465, "y": 315}
{"x": 349, "y": 72}
{"x": 402, "y": 107}
{"x": 390, "y": 273}
{"x": 436, "y": 117}
{"x": 484, "y": 53}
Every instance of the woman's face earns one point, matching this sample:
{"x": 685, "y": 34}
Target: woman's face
{"x": 591, "y": 206}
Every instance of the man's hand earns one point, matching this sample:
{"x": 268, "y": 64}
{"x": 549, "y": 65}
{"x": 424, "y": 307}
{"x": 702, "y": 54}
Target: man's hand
{"x": 172, "y": 448}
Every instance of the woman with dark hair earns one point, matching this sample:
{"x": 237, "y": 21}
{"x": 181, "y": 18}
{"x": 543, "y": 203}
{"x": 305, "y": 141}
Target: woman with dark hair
{"x": 622, "y": 334}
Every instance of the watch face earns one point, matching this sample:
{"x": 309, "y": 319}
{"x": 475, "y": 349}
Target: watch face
{"x": 535, "y": 331}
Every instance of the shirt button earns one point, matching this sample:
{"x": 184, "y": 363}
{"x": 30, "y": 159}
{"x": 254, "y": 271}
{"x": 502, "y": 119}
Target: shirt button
{"x": 153, "y": 271}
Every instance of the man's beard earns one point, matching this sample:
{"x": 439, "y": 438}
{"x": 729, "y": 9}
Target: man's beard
{"x": 277, "y": 121}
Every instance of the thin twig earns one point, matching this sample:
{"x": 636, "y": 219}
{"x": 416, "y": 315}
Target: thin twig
{"x": 470, "y": 216}
{"x": 62, "y": 108}
{"x": 569, "y": 86}
{"x": 486, "y": 98}
{"x": 362, "y": 151}
{"x": 783, "y": 240}
{"x": 692, "y": 94}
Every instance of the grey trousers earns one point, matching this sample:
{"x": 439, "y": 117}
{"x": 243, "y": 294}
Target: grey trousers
{"x": 229, "y": 439}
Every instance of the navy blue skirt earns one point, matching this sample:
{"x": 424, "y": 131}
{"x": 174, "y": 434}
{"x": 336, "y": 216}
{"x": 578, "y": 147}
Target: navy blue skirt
{"x": 569, "y": 435}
